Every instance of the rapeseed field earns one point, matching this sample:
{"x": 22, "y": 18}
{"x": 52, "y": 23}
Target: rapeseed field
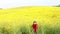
{"x": 18, "y": 20}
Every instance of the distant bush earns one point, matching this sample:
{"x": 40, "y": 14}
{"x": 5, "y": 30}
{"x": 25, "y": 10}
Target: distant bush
{"x": 58, "y": 5}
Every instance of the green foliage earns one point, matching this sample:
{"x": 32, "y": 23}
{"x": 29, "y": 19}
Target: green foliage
{"x": 42, "y": 29}
{"x": 3, "y": 30}
{"x": 23, "y": 30}
{"x": 58, "y": 5}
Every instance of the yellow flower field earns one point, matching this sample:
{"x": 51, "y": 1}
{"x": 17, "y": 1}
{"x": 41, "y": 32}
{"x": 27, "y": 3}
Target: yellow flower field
{"x": 44, "y": 15}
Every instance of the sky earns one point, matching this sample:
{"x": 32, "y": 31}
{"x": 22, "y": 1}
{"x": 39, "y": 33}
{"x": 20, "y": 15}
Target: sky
{"x": 16, "y": 3}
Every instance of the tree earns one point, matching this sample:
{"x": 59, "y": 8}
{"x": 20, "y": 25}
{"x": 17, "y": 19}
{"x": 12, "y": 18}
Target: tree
{"x": 58, "y": 5}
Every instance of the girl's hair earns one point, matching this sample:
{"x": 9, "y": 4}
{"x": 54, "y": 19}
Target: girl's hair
{"x": 34, "y": 22}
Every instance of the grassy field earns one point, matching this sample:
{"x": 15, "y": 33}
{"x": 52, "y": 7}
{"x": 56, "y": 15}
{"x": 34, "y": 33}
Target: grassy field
{"x": 19, "y": 20}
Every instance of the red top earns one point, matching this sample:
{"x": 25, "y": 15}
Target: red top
{"x": 34, "y": 27}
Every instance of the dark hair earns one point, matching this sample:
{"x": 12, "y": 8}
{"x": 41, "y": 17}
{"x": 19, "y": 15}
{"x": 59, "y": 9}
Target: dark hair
{"x": 34, "y": 22}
